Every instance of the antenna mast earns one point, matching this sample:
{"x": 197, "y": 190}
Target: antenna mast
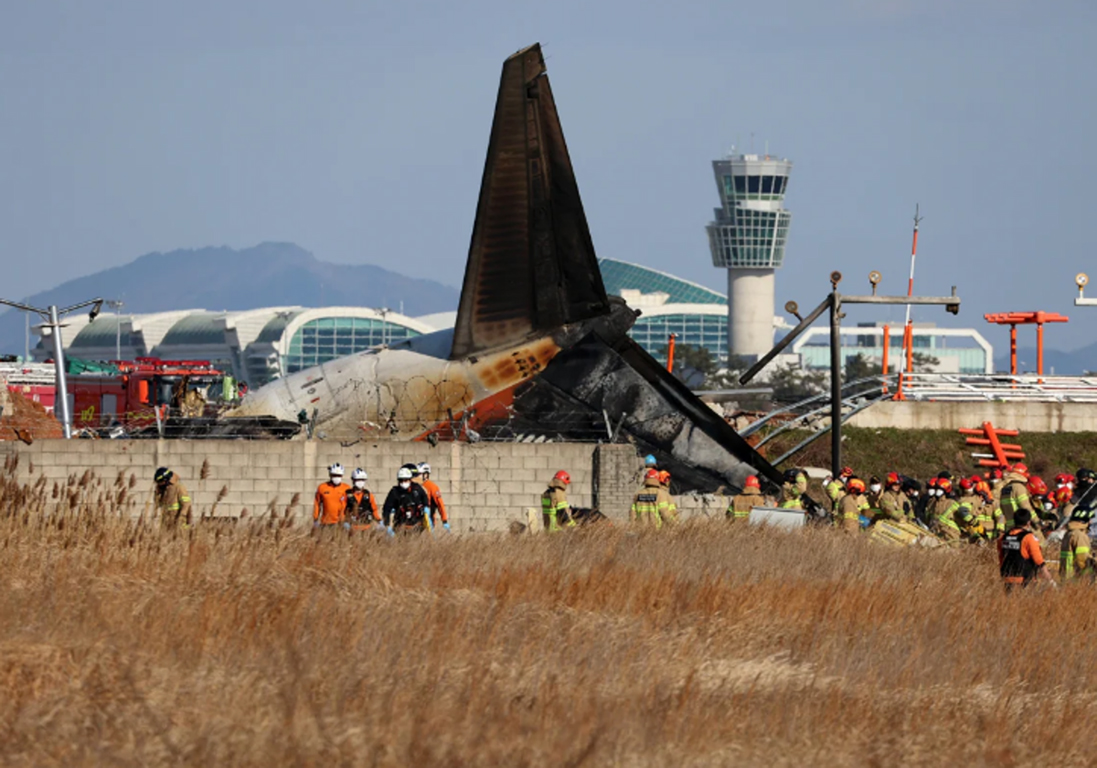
{"x": 908, "y": 327}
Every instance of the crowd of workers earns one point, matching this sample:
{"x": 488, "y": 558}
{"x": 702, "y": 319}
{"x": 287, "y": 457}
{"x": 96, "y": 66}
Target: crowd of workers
{"x": 1013, "y": 509}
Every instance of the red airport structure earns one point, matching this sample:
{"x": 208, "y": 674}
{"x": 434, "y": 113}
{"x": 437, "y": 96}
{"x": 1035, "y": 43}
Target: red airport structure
{"x": 1013, "y": 319}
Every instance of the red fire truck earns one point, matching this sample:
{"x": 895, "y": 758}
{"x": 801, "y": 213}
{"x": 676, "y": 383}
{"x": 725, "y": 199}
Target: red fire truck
{"x": 34, "y": 381}
{"x": 135, "y": 394}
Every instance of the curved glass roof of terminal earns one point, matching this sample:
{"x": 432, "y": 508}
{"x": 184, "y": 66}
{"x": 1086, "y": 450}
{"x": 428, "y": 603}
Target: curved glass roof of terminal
{"x": 276, "y": 326}
{"x": 621, "y": 275}
{"x": 101, "y": 332}
{"x": 195, "y": 330}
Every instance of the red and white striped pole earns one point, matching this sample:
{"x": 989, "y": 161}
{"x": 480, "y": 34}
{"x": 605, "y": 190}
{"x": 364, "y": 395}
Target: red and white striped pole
{"x": 908, "y": 328}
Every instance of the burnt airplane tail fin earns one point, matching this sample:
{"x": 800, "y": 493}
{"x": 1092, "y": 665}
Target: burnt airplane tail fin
{"x": 531, "y": 265}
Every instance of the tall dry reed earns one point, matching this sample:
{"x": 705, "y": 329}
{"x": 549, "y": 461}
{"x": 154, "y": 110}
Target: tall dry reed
{"x": 264, "y": 644}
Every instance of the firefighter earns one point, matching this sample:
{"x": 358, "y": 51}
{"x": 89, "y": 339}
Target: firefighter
{"x": 1014, "y": 496}
{"x": 852, "y": 504}
{"x": 836, "y": 486}
{"x": 1074, "y": 559}
{"x": 434, "y": 497}
{"x": 741, "y": 504}
{"x": 554, "y": 502}
{"x": 672, "y": 508}
{"x": 1040, "y": 499}
{"x": 330, "y": 504}
{"x": 874, "y": 494}
{"x": 650, "y": 462}
{"x": 405, "y": 507}
{"x": 915, "y": 507}
{"x": 417, "y": 486}
{"x": 892, "y": 504}
{"x": 794, "y": 486}
{"x": 650, "y": 504}
{"x": 989, "y": 515}
{"x": 941, "y": 492}
{"x": 958, "y": 521}
{"x": 1084, "y": 480}
{"x": 1020, "y": 560}
{"x": 361, "y": 504}
{"x": 172, "y": 499}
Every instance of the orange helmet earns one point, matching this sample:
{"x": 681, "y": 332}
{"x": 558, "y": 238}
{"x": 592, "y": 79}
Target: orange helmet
{"x": 651, "y": 474}
{"x": 856, "y": 485}
{"x": 1020, "y": 469}
{"x": 893, "y": 478}
{"x": 563, "y": 477}
{"x": 751, "y": 482}
{"x": 664, "y": 477}
{"x": 1036, "y": 486}
{"x": 944, "y": 484}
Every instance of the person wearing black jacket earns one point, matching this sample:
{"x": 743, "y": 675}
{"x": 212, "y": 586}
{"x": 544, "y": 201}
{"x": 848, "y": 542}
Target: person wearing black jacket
{"x": 406, "y": 505}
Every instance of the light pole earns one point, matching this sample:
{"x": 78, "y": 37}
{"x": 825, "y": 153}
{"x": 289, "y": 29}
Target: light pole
{"x": 116, "y": 305}
{"x": 834, "y": 302}
{"x": 53, "y": 317}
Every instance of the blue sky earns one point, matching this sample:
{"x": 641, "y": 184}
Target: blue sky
{"x": 358, "y": 131}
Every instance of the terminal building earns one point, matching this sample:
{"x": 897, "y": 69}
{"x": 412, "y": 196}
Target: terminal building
{"x": 956, "y": 350}
{"x": 256, "y": 345}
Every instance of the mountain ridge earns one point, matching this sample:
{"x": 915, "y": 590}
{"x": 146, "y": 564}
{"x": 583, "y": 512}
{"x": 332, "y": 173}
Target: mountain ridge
{"x": 222, "y": 278}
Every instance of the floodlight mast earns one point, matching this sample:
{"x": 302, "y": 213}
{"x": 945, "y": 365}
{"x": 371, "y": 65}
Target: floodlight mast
{"x": 52, "y": 315}
{"x": 834, "y": 302}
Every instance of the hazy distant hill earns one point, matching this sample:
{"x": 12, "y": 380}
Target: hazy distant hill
{"x": 1063, "y": 363}
{"x": 270, "y": 274}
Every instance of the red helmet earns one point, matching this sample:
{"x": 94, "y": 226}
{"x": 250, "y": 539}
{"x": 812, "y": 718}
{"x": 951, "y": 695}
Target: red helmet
{"x": 944, "y": 484}
{"x": 932, "y": 482}
{"x": 664, "y": 477}
{"x": 751, "y": 482}
{"x": 893, "y": 478}
{"x": 967, "y": 483}
{"x": 856, "y": 484}
{"x": 1036, "y": 486}
{"x": 563, "y": 477}
{"x": 1020, "y": 469}
{"x": 846, "y": 472}
{"x": 994, "y": 474}
{"x": 651, "y": 474}
{"x": 1063, "y": 478}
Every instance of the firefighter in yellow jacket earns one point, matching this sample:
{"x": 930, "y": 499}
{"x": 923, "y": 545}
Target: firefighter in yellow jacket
{"x": 852, "y": 505}
{"x": 651, "y": 504}
{"x": 1015, "y": 494}
{"x": 172, "y": 498}
{"x": 672, "y": 507}
{"x": 554, "y": 502}
{"x": 1074, "y": 558}
{"x": 794, "y": 486}
{"x": 958, "y": 520}
{"x": 743, "y": 503}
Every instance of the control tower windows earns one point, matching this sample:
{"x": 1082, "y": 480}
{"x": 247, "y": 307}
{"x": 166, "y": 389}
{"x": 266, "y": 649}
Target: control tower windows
{"x": 740, "y": 185}
{"x": 754, "y": 184}
{"x": 767, "y": 185}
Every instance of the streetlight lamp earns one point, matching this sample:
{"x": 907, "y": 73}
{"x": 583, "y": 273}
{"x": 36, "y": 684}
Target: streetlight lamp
{"x": 52, "y": 317}
{"x": 116, "y": 305}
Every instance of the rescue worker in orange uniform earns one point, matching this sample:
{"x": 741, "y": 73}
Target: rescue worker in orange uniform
{"x": 743, "y": 503}
{"x": 672, "y": 508}
{"x": 554, "y": 502}
{"x": 1074, "y": 557}
{"x": 361, "y": 511}
{"x": 172, "y": 499}
{"x": 434, "y": 497}
{"x": 649, "y": 505}
{"x": 330, "y": 505}
{"x": 1020, "y": 560}
{"x": 852, "y": 505}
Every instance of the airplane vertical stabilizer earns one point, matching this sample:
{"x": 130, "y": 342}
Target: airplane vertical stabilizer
{"x": 531, "y": 265}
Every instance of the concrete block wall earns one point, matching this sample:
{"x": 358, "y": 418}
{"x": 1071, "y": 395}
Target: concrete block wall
{"x": 1027, "y": 417}
{"x": 485, "y": 486}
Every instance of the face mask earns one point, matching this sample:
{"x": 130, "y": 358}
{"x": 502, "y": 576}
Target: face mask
{"x": 359, "y": 484}
{"x": 914, "y": 494}
{"x": 336, "y": 479}
{"x": 875, "y": 488}
{"x": 405, "y": 484}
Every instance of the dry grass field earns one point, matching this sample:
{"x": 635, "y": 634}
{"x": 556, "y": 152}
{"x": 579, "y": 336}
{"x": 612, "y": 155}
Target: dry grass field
{"x": 262, "y": 644}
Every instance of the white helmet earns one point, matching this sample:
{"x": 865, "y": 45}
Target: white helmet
{"x": 424, "y": 468}
{"x": 335, "y": 469}
{"x": 403, "y": 474}
{"x": 359, "y": 474}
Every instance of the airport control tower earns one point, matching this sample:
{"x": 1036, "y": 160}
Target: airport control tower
{"x": 748, "y": 240}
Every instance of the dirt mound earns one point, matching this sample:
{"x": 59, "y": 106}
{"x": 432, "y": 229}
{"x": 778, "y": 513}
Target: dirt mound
{"x": 26, "y": 420}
